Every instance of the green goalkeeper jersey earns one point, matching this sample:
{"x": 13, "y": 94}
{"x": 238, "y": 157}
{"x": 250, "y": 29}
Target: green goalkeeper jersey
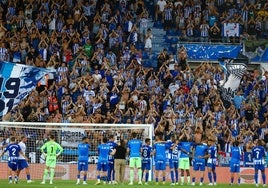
{"x": 51, "y": 148}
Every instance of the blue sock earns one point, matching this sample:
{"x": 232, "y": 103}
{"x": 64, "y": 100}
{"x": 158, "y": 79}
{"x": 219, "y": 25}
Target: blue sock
{"x": 263, "y": 178}
{"x": 10, "y": 178}
{"x": 113, "y": 175}
{"x": 28, "y": 177}
{"x": 239, "y": 180}
{"x": 172, "y": 176}
{"x": 146, "y": 176}
{"x": 164, "y": 178}
{"x": 109, "y": 175}
{"x": 210, "y": 177}
{"x": 232, "y": 180}
{"x": 201, "y": 180}
{"x": 105, "y": 178}
{"x": 177, "y": 175}
{"x": 78, "y": 176}
{"x": 85, "y": 178}
{"x": 98, "y": 177}
{"x": 193, "y": 180}
{"x": 156, "y": 179}
{"x": 215, "y": 176}
{"x": 256, "y": 178}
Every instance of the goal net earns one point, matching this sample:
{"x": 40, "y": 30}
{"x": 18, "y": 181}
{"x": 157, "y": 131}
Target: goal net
{"x": 68, "y": 136}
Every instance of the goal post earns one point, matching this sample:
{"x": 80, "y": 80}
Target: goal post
{"x": 68, "y": 136}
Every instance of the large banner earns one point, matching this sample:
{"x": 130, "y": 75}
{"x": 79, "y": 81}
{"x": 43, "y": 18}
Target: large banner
{"x": 71, "y": 137}
{"x": 16, "y": 82}
{"x": 231, "y": 30}
{"x": 224, "y": 159}
{"x": 210, "y": 52}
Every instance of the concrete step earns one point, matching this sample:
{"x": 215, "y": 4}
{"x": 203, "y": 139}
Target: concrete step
{"x": 158, "y": 40}
{"x": 150, "y": 25}
{"x": 158, "y": 32}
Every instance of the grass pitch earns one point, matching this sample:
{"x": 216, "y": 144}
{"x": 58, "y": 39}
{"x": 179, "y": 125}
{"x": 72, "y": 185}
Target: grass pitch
{"x": 72, "y": 184}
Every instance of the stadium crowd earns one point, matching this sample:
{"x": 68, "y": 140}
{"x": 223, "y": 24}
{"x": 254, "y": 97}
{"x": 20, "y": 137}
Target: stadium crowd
{"x": 93, "y": 45}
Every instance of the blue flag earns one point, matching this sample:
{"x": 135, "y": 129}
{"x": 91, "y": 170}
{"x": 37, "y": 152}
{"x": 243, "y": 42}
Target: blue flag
{"x": 16, "y": 82}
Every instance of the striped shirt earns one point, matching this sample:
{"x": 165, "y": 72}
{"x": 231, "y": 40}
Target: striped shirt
{"x": 38, "y": 24}
{"x": 87, "y": 10}
{"x": 64, "y": 106}
{"x": 62, "y": 70}
{"x": 187, "y": 11}
{"x": 190, "y": 31}
{"x": 204, "y": 28}
{"x": 59, "y": 25}
{"x": 133, "y": 37}
{"x": 3, "y": 54}
{"x": 11, "y": 11}
{"x": 168, "y": 13}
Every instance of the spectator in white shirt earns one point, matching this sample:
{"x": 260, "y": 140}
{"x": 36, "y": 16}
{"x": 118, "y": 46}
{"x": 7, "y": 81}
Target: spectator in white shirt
{"x": 160, "y": 9}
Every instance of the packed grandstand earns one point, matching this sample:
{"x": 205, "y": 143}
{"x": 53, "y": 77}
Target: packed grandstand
{"x": 97, "y": 49}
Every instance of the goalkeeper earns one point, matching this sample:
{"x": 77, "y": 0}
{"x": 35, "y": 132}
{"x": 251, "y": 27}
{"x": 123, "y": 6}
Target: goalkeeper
{"x": 51, "y": 150}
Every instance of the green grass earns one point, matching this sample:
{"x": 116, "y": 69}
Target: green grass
{"x": 71, "y": 184}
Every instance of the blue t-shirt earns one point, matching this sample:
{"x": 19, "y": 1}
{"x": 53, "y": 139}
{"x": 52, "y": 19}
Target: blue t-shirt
{"x": 238, "y": 99}
{"x": 185, "y": 148}
{"x": 112, "y": 147}
{"x": 200, "y": 150}
{"x": 160, "y": 151}
{"x": 212, "y": 151}
{"x": 146, "y": 152}
{"x": 212, "y": 20}
{"x": 258, "y": 154}
{"x": 134, "y": 146}
{"x": 104, "y": 151}
{"x": 13, "y": 151}
{"x": 173, "y": 152}
{"x": 235, "y": 154}
{"x": 83, "y": 151}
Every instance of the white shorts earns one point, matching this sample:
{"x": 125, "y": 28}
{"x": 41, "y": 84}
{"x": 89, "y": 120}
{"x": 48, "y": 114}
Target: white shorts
{"x": 148, "y": 43}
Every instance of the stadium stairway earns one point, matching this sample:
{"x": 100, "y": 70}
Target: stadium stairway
{"x": 159, "y": 43}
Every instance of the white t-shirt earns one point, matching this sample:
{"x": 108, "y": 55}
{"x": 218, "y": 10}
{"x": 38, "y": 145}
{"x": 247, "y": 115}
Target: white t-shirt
{"x": 97, "y": 77}
{"x": 161, "y": 4}
{"x": 178, "y": 3}
{"x": 52, "y": 24}
{"x": 148, "y": 42}
{"x": 23, "y": 149}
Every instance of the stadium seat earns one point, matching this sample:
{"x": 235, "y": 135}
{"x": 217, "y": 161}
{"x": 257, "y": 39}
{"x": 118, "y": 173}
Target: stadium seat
{"x": 174, "y": 40}
{"x": 168, "y": 38}
{"x": 145, "y": 55}
{"x": 158, "y": 24}
{"x": 170, "y": 32}
{"x": 154, "y": 63}
{"x": 173, "y": 49}
{"x": 146, "y": 63}
{"x": 140, "y": 46}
